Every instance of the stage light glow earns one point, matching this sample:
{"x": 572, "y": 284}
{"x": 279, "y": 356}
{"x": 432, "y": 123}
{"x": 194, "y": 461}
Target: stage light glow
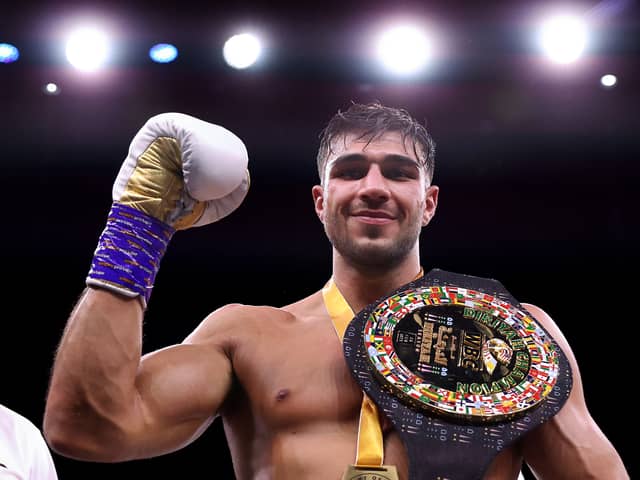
{"x": 563, "y": 38}
{"x": 87, "y": 49}
{"x": 242, "y": 50}
{"x": 51, "y": 89}
{"x": 163, "y": 53}
{"x": 404, "y": 50}
{"x": 8, "y": 53}
{"x": 609, "y": 80}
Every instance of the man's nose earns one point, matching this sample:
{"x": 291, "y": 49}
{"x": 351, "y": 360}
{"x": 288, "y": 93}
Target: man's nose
{"x": 374, "y": 185}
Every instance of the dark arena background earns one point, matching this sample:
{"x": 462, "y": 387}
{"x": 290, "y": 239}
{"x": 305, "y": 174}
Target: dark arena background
{"x": 537, "y": 163}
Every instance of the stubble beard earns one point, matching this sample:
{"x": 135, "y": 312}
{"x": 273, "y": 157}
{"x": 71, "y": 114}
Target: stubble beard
{"x": 372, "y": 252}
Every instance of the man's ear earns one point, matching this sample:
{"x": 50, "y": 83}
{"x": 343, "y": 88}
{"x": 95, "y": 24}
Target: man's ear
{"x": 318, "y": 201}
{"x": 430, "y": 204}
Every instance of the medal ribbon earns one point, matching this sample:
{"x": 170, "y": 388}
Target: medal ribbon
{"x": 370, "y": 448}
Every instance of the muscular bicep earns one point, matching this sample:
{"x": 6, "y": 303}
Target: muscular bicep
{"x": 570, "y": 445}
{"x": 180, "y": 390}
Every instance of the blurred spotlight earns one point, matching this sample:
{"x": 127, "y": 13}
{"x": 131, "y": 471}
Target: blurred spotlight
{"x": 404, "y": 50}
{"x": 563, "y": 38}
{"x": 608, "y": 80}
{"x": 163, "y": 53}
{"x": 87, "y": 49}
{"x": 51, "y": 89}
{"x": 8, "y": 53}
{"x": 242, "y": 51}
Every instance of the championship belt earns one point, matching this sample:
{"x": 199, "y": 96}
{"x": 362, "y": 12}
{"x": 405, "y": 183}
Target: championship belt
{"x": 461, "y": 369}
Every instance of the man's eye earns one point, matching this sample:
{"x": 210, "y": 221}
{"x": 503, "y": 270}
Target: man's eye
{"x": 399, "y": 173}
{"x": 350, "y": 173}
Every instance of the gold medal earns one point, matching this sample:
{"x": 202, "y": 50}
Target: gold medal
{"x": 383, "y": 472}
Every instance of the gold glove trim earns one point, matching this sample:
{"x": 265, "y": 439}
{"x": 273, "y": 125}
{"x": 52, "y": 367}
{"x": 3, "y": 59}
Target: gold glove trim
{"x": 157, "y": 185}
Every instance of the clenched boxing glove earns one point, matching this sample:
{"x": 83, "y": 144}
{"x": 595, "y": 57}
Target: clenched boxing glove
{"x": 180, "y": 172}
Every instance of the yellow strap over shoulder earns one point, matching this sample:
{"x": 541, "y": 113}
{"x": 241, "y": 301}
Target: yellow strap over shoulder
{"x": 370, "y": 449}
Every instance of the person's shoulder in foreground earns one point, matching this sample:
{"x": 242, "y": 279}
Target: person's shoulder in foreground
{"x": 24, "y": 455}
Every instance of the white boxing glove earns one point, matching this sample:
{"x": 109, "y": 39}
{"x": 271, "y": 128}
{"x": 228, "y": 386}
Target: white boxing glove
{"x": 180, "y": 172}
{"x": 183, "y": 171}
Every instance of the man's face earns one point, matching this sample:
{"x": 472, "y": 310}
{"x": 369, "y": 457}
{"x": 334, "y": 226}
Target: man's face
{"x": 374, "y": 199}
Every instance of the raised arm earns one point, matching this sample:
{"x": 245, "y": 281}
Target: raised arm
{"x": 570, "y": 445}
{"x": 106, "y": 402}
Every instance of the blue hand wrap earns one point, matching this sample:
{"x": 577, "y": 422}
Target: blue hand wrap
{"x": 129, "y": 252}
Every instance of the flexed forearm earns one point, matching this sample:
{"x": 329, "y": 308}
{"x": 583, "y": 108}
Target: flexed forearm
{"x": 92, "y": 396}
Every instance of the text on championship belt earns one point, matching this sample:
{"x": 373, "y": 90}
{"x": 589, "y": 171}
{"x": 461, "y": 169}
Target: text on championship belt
{"x": 460, "y": 353}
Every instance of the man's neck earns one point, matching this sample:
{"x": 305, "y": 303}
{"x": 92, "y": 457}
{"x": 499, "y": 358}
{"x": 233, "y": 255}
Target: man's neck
{"x": 362, "y": 286}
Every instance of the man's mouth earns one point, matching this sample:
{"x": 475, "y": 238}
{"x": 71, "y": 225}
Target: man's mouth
{"x": 374, "y": 217}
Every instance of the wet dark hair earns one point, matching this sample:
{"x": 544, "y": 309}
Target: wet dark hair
{"x": 371, "y": 121}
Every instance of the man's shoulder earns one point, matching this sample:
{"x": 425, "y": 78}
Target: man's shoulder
{"x": 309, "y": 304}
{"x": 239, "y": 316}
{"x": 302, "y": 307}
{"x": 543, "y": 318}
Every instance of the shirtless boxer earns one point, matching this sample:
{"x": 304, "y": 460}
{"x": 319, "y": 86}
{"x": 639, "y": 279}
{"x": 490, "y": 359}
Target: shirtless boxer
{"x": 251, "y": 365}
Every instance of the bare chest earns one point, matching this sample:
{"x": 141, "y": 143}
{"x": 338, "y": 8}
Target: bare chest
{"x": 296, "y": 401}
{"x": 293, "y": 372}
